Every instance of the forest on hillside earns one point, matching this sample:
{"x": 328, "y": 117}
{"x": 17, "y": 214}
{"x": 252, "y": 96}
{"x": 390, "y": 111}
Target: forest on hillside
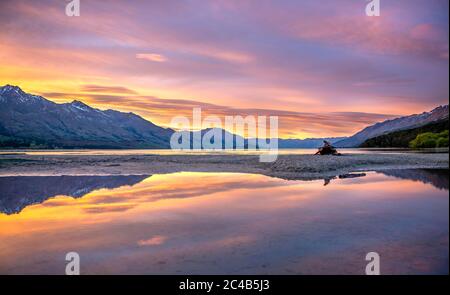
{"x": 404, "y": 138}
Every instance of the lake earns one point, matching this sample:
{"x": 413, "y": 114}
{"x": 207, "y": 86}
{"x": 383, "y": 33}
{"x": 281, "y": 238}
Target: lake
{"x": 226, "y": 223}
{"x": 284, "y": 151}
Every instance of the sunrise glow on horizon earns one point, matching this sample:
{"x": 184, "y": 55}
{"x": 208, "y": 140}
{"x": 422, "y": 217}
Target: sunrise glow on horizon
{"x": 323, "y": 67}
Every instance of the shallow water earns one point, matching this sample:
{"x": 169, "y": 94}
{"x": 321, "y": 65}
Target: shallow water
{"x": 225, "y": 223}
{"x": 131, "y": 152}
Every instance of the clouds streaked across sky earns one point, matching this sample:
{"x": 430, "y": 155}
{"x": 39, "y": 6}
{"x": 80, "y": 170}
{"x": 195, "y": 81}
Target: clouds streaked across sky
{"x": 323, "y": 66}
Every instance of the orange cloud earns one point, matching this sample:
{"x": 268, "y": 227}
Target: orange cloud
{"x": 291, "y": 124}
{"x": 290, "y": 58}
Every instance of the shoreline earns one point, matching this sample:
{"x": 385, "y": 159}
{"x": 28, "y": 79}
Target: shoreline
{"x": 295, "y": 167}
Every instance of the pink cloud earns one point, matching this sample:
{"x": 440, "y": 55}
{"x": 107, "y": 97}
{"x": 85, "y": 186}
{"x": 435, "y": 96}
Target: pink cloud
{"x": 153, "y": 241}
{"x": 151, "y": 57}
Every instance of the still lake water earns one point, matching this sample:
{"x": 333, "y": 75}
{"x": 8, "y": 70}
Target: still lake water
{"x": 225, "y": 223}
{"x": 132, "y": 152}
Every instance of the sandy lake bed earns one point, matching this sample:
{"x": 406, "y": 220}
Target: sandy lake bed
{"x": 301, "y": 167}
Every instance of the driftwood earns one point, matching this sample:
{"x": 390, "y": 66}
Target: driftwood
{"x": 327, "y": 149}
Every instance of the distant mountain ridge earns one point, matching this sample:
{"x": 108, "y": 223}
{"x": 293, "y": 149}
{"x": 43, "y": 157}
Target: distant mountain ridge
{"x": 388, "y": 126}
{"x": 28, "y": 120}
{"x": 282, "y": 143}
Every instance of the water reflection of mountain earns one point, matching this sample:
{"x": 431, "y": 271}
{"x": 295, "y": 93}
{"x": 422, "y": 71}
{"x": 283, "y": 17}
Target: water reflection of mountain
{"x": 437, "y": 177}
{"x": 16, "y": 193}
{"x": 19, "y": 192}
{"x": 343, "y": 176}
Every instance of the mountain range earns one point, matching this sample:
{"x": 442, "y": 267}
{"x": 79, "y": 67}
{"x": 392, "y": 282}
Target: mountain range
{"x": 404, "y": 137}
{"x": 28, "y": 120}
{"x": 403, "y": 123}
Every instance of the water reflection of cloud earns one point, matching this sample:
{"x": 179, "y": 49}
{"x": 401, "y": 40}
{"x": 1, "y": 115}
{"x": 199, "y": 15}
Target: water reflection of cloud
{"x": 276, "y": 227}
{"x": 153, "y": 241}
{"x": 184, "y": 187}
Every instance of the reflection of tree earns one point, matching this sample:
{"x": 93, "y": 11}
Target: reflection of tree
{"x": 437, "y": 177}
{"x": 19, "y": 192}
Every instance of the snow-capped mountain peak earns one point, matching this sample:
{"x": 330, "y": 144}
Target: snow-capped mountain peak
{"x": 16, "y": 93}
{"x": 80, "y": 106}
{"x": 29, "y": 118}
{"x": 11, "y": 89}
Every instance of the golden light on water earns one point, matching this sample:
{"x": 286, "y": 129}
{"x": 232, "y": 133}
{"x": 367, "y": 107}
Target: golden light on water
{"x": 188, "y": 214}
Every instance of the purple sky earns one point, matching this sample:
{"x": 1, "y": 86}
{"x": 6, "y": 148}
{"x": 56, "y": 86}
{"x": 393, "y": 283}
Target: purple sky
{"x": 323, "y": 66}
